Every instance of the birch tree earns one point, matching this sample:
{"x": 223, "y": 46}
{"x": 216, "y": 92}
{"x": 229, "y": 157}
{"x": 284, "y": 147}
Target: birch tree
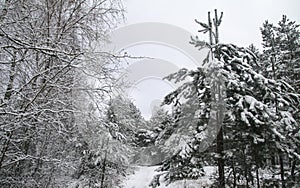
{"x": 48, "y": 52}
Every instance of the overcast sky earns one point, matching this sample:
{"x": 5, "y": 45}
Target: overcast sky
{"x": 241, "y": 22}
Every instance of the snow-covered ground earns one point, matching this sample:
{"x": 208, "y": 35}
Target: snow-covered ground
{"x": 141, "y": 178}
{"x": 143, "y": 175}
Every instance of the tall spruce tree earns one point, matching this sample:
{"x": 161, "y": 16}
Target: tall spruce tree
{"x": 281, "y": 50}
{"x": 258, "y": 115}
{"x": 281, "y": 61}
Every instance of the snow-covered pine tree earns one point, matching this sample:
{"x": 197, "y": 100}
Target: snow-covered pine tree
{"x": 190, "y": 119}
{"x": 156, "y": 126}
{"x": 281, "y": 51}
{"x": 281, "y": 61}
{"x": 123, "y": 119}
{"x": 103, "y": 160}
{"x": 259, "y": 112}
{"x": 159, "y": 120}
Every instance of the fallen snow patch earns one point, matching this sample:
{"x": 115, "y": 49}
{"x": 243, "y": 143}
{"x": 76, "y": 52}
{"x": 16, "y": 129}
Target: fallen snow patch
{"x": 144, "y": 175}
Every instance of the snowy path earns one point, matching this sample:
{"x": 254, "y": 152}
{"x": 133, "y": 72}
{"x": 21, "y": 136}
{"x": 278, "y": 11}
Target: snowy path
{"x": 141, "y": 178}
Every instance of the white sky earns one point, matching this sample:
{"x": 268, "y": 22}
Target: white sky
{"x": 241, "y": 25}
{"x": 241, "y": 20}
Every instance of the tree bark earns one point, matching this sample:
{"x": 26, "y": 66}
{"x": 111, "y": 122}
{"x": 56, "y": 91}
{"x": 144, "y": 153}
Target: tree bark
{"x": 5, "y": 148}
{"x": 9, "y": 88}
{"x": 257, "y": 178}
{"x": 220, "y": 137}
{"x": 221, "y": 164}
{"x": 103, "y": 171}
{"x": 281, "y": 170}
{"x": 293, "y": 169}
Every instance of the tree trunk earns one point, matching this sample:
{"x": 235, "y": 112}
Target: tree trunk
{"x": 9, "y": 88}
{"x": 220, "y": 138}
{"x": 5, "y": 148}
{"x": 103, "y": 171}
{"x": 221, "y": 165}
{"x": 281, "y": 170}
{"x": 293, "y": 169}
{"x": 257, "y": 178}
{"x": 234, "y": 174}
{"x": 104, "y": 165}
{"x": 246, "y": 167}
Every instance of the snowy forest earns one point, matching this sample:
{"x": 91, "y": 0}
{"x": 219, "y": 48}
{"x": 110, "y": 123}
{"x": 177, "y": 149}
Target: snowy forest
{"x": 66, "y": 122}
